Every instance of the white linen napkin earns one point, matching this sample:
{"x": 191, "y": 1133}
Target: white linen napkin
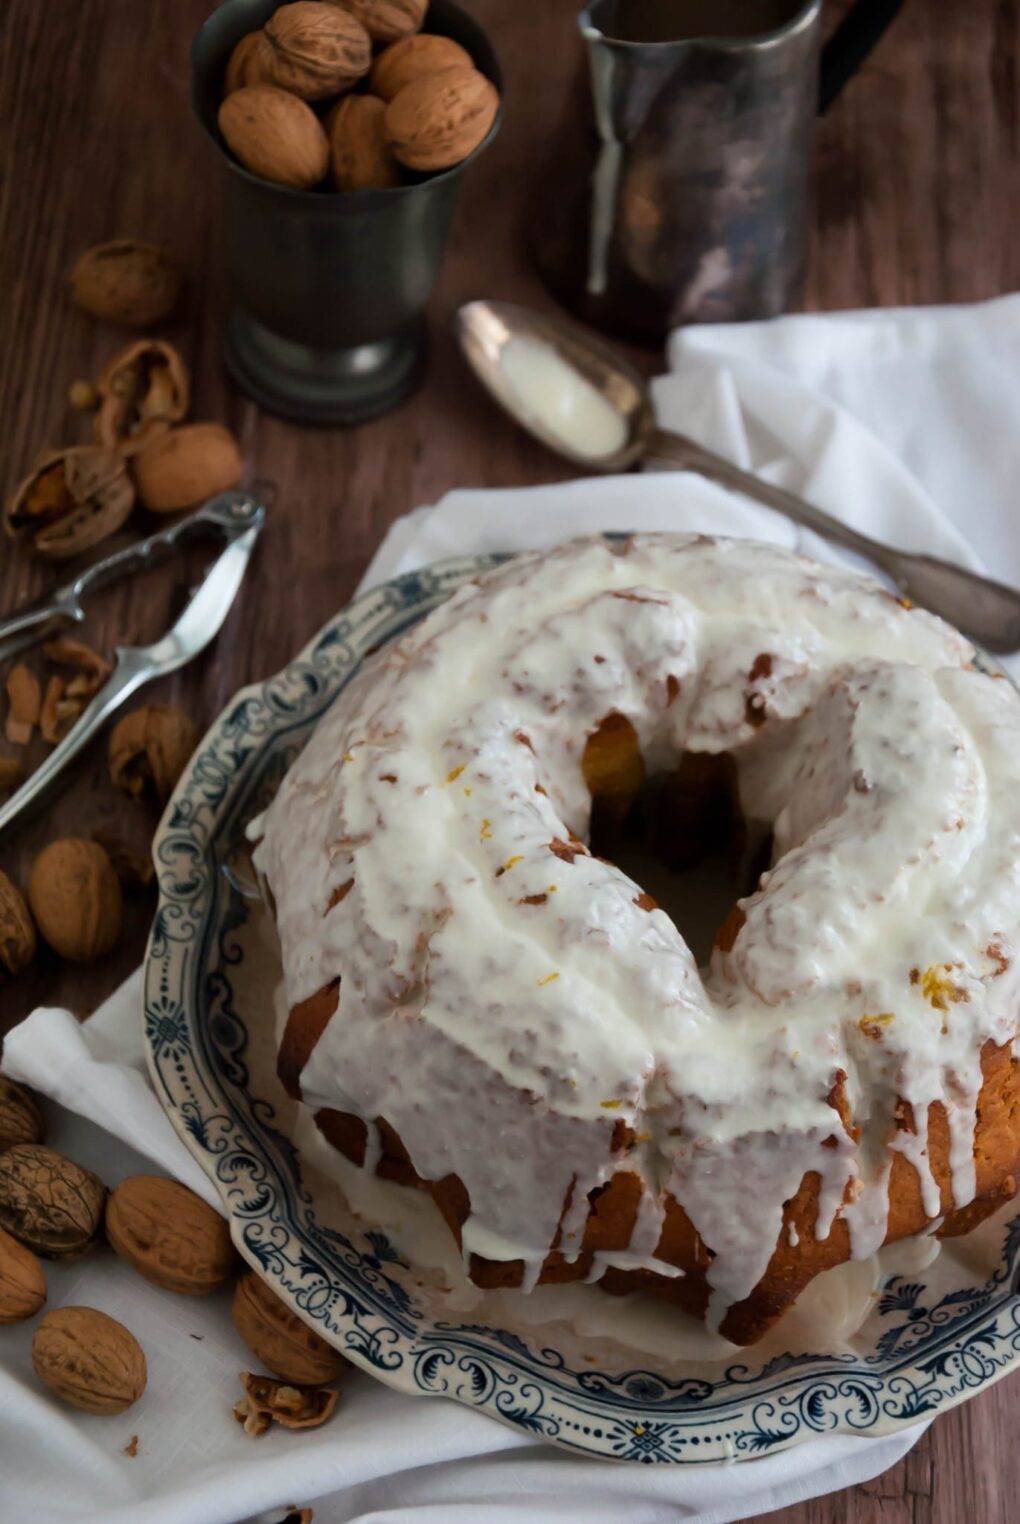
{"x": 878, "y": 417}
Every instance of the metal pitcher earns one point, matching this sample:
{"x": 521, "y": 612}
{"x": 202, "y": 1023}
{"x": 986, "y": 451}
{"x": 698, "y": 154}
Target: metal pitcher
{"x": 678, "y": 187}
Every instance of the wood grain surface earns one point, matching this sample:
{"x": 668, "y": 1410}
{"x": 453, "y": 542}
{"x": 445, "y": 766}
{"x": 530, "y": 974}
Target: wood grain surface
{"x": 917, "y": 171}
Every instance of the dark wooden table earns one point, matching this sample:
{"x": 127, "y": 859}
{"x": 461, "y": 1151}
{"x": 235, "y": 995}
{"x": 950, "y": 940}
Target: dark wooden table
{"x": 918, "y": 166}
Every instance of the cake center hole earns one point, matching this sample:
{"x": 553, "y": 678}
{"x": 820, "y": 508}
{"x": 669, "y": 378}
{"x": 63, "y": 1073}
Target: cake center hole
{"x": 682, "y": 838}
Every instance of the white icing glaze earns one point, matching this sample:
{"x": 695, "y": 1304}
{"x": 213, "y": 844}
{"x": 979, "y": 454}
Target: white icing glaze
{"x": 827, "y": 1316}
{"x": 503, "y": 1038}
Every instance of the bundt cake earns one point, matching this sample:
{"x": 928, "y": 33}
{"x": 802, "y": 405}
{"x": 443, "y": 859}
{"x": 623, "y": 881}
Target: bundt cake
{"x": 484, "y": 1003}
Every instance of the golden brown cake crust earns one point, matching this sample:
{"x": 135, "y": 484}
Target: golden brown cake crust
{"x": 793, "y": 1266}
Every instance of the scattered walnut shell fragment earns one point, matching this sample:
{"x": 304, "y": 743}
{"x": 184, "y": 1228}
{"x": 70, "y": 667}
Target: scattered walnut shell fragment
{"x": 21, "y": 1121}
{"x": 75, "y": 897}
{"x": 48, "y": 1203}
{"x": 58, "y": 714}
{"x": 92, "y": 669}
{"x": 151, "y": 745}
{"x": 17, "y": 946}
{"x": 293, "y": 1407}
{"x": 143, "y": 390}
{"x": 82, "y": 396}
{"x": 126, "y": 281}
{"x": 64, "y": 701}
{"x": 11, "y": 773}
{"x": 24, "y": 702}
{"x": 70, "y": 501}
{"x": 89, "y": 1360}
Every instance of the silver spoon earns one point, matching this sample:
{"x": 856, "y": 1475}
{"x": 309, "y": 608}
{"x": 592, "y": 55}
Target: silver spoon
{"x": 988, "y": 611}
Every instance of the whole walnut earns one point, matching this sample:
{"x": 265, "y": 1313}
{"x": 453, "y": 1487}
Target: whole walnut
{"x": 412, "y": 57}
{"x": 314, "y": 50}
{"x": 21, "y": 1120}
{"x": 386, "y": 20}
{"x": 184, "y": 466}
{"x": 169, "y": 1235}
{"x": 22, "y": 1282}
{"x": 246, "y": 65}
{"x": 275, "y": 135}
{"x": 76, "y": 900}
{"x": 359, "y": 155}
{"x": 126, "y": 282}
{"x": 281, "y": 1340}
{"x": 439, "y": 119}
{"x": 17, "y": 942}
{"x": 151, "y": 745}
{"x": 89, "y": 1360}
{"x": 48, "y": 1203}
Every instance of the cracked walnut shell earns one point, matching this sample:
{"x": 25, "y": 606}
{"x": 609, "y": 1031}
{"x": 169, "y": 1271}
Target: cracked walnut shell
{"x": 89, "y": 1360}
{"x": 17, "y": 949}
{"x": 169, "y": 1235}
{"x": 281, "y": 1340}
{"x": 151, "y": 745}
{"x": 48, "y": 1203}
{"x": 70, "y": 501}
{"x": 314, "y": 50}
{"x": 144, "y": 389}
{"x": 293, "y": 1407}
{"x": 75, "y": 897}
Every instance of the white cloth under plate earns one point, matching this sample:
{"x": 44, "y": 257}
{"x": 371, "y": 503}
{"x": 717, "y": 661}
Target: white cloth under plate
{"x": 838, "y": 407}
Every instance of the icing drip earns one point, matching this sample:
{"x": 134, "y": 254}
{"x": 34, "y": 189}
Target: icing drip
{"x": 506, "y": 999}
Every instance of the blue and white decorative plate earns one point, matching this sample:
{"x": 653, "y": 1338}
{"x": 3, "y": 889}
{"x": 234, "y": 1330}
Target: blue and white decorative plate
{"x": 933, "y": 1336}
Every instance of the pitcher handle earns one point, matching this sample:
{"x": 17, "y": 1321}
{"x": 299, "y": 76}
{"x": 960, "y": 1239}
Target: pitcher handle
{"x": 850, "y": 44}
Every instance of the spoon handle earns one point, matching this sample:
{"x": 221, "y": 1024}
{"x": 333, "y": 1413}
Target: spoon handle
{"x": 987, "y": 611}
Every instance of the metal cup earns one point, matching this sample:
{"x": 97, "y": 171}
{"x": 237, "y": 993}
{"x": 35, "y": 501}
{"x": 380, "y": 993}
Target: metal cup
{"x": 329, "y": 289}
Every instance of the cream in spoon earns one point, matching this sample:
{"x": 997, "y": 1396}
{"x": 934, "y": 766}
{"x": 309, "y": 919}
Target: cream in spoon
{"x": 563, "y": 400}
